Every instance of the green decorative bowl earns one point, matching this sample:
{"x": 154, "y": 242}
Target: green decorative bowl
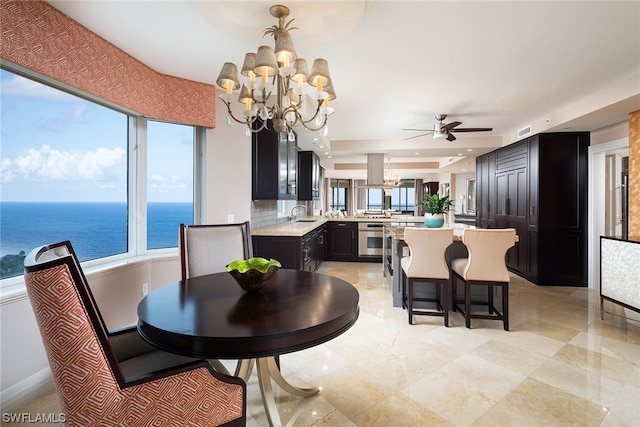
{"x": 253, "y": 274}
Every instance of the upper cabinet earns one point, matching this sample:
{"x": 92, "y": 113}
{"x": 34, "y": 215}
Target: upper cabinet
{"x": 309, "y": 176}
{"x": 274, "y": 159}
{"x": 539, "y": 187}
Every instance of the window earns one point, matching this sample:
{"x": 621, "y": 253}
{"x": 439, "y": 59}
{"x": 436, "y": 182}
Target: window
{"x": 74, "y": 169}
{"x": 339, "y": 194}
{"x": 169, "y": 182}
{"x": 375, "y": 199}
{"x": 403, "y": 197}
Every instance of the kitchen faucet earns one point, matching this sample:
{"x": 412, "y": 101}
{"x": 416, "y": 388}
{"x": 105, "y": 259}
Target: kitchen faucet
{"x": 293, "y": 209}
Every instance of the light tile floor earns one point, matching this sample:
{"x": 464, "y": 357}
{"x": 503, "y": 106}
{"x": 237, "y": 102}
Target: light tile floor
{"x": 558, "y": 365}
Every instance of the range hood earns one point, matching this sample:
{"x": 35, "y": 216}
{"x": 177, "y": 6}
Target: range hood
{"x": 375, "y": 172}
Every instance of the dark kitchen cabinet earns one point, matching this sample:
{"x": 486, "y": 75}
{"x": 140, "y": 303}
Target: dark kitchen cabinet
{"x": 557, "y": 224}
{"x": 539, "y": 187}
{"x": 342, "y": 241}
{"x": 511, "y": 187}
{"x": 304, "y": 253}
{"x": 309, "y": 176}
{"x": 274, "y": 161}
{"x": 486, "y": 199}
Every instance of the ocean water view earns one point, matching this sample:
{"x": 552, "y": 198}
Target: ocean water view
{"x": 95, "y": 230}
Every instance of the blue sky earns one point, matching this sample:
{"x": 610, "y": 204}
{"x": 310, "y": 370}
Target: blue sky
{"x": 57, "y": 147}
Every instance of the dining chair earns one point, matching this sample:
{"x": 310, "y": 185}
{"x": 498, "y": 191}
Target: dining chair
{"x": 485, "y": 266}
{"x": 208, "y": 248}
{"x": 426, "y": 263}
{"x": 96, "y": 385}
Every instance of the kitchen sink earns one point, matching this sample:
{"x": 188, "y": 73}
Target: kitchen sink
{"x": 306, "y": 220}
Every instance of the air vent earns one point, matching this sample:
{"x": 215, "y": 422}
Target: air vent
{"x": 525, "y": 131}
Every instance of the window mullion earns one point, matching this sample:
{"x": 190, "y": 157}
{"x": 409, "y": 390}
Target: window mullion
{"x": 138, "y": 186}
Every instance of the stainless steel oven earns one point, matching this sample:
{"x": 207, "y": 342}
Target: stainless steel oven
{"x": 370, "y": 239}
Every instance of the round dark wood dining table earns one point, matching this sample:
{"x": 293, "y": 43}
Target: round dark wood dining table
{"x": 212, "y": 317}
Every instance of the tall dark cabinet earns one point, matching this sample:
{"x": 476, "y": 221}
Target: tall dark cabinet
{"x": 309, "y": 176}
{"x": 274, "y": 161}
{"x": 539, "y": 187}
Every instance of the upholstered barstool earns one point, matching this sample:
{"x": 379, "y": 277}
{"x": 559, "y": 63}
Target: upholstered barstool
{"x": 426, "y": 263}
{"x": 485, "y": 266}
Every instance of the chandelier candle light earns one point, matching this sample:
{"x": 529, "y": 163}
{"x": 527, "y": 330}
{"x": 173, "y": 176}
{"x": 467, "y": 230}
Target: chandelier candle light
{"x": 278, "y": 70}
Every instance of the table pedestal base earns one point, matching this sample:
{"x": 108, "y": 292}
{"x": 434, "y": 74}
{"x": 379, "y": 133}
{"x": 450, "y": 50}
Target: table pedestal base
{"x": 267, "y": 370}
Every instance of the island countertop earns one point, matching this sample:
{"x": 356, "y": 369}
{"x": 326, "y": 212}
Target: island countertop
{"x": 396, "y": 229}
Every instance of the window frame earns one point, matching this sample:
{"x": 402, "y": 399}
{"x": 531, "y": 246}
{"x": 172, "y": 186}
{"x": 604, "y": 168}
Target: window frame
{"x": 136, "y": 176}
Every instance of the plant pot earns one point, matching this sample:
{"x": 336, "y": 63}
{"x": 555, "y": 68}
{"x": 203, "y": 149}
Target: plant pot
{"x": 433, "y": 220}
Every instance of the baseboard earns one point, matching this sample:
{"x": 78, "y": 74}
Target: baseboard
{"x": 33, "y": 387}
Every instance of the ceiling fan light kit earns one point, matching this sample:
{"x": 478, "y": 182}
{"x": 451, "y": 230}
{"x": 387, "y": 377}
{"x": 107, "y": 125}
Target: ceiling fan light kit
{"x": 443, "y": 130}
{"x": 275, "y": 87}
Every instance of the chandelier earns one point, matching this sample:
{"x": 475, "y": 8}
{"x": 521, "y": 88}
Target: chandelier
{"x": 391, "y": 181}
{"x": 275, "y": 87}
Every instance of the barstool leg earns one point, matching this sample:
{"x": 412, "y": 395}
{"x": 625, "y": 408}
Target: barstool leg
{"x": 445, "y": 302}
{"x": 505, "y": 305}
{"x": 410, "y": 299}
{"x": 467, "y": 305}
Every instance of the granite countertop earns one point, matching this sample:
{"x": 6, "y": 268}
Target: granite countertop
{"x": 291, "y": 228}
{"x": 396, "y": 229}
{"x": 306, "y": 224}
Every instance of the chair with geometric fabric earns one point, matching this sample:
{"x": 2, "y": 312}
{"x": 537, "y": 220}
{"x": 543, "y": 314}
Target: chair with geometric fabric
{"x": 96, "y": 386}
{"x": 207, "y": 249}
{"x": 426, "y": 263}
{"x": 485, "y": 266}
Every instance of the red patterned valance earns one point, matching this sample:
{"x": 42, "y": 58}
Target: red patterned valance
{"x": 41, "y": 38}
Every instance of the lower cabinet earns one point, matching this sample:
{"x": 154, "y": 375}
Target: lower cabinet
{"x": 304, "y": 253}
{"x": 342, "y": 241}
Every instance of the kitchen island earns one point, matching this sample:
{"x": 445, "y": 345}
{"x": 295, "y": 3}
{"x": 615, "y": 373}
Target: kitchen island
{"x": 395, "y": 248}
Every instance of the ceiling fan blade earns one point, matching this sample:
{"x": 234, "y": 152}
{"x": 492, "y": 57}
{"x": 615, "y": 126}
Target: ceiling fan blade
{"x": 451, "y": 125}
{"x": 420, "y": 130}
{"x": 450, "y": 137}
{"x": 417, "y": 136}
{"x": 472, "y": 130}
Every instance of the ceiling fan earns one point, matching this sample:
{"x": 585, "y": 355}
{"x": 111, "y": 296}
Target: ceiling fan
{"x": 443, "y": 130}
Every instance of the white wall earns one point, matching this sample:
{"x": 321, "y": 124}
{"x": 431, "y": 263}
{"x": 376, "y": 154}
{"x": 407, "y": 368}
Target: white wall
{"x": 460, "y": 181}
{"x": 228, "y": 175}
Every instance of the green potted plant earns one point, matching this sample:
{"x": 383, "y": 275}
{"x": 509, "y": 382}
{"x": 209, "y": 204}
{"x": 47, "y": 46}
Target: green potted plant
{"x": 435, "y": 208}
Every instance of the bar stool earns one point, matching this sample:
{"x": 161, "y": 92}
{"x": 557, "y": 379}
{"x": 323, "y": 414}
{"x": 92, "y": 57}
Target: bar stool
{"x": 426, "y": 263}
{"x": 485, "y": 266}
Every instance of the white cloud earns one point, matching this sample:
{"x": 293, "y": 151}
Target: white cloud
{"x": 49, "y": 164}
{"x": 17, "y": 85}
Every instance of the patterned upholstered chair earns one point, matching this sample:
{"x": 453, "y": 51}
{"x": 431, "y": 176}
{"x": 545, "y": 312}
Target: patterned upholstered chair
{"x": 485, "y": 266}
{"x": 426, "y": 263}
{"x": 95, "y": 385}
{"x": 207, "y": 249}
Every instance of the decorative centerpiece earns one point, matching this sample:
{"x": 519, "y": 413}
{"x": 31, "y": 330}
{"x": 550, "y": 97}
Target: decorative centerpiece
{"x": 436, "y": 207}
{"x": 253, "y": 274}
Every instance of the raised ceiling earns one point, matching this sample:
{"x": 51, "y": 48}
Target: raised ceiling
{"x": 554, "y": 65}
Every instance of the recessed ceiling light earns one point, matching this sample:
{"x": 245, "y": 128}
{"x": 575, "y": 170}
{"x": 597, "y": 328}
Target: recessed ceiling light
{"x": 326, "y": 152}
{"x": 469, "y": 149}
{"x": 459, "y": 154}
{"x": 315, "y": 139}
{"x": 417, "y": 154}
{"x": 321, "y": 146}
{"x": 329, "y": 157}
